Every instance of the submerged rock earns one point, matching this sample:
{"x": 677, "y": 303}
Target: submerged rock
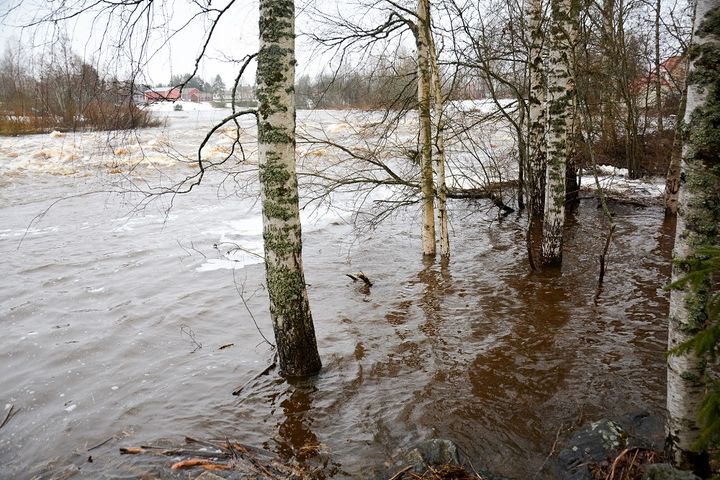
{"x": 644, "y": 430}
{"x": 432, "y": 452}
{"x": 209, "y": 476}
{"x": 664, "y": 471}
{"x": 591, "y": 444}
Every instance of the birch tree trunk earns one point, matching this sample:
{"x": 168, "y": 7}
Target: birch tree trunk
{"x": 672, "y": 182}
{"x": 698, "y": 226}
{"x": 440, "y": 146}
{"x": 422, "y": 38}
{"x": 535, "y": 173}
{"x": 289, "y": 306}
{"x": 560, "y": 107}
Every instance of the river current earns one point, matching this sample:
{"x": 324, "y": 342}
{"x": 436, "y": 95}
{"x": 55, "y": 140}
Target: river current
{"x": 113, "y": 319}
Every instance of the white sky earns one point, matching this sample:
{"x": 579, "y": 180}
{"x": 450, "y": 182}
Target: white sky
{"x": 234, "y": 37}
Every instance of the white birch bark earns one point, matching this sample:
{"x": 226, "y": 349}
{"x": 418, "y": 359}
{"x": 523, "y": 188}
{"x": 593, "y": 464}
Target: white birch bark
{"x": 440, "y": 146}
{"x": 426, "y": 168}
{"x": 698, "y": 225}
{"x": 289, "y": 306}
{"x": 561, "y": 90}
{"x": 535, "y": 174}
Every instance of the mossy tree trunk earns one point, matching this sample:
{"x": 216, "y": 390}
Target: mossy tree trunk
{"x": 422, "y": 39}
{"x": 698, "y": 226}
{"x": 561, "y": 92}
{"x": 535, "y": 174}
{"x": 289, "y": 306}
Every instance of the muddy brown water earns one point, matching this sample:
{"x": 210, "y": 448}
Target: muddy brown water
{"x": 97, "y": 309}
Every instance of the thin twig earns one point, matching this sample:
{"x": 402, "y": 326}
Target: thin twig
{"x": 264, "y": 372}
{"x": 185, "y": 329}
{"x": 100, "y": 444}
{"x": 552, "y": 450}
{"x": 11, "y": 413}
{"x": 401, "y": 473}
{"x": 241, "y": 293}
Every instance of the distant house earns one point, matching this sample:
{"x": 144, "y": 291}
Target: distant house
{"x": 174, "y": 94}
{"x": 195, "y": 95}
{"x": 671, "y": 74}
{"x": 162, "y": 95}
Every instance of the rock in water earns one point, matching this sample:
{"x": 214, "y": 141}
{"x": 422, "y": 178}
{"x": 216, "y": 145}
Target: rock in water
{"x": 432, "y": 452}
{"x": 209, "y": 476}
{"x": 593, "y": 443}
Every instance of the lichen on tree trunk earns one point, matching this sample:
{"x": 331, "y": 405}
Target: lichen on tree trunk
{"x": 535, "y": 174}
{"x": 289, "y": 305}
{"x": 561, "y": 91}
{"x": 698, "y": 226}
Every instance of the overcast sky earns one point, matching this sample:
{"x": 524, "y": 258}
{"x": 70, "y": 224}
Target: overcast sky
{"x": 96, "y": 36}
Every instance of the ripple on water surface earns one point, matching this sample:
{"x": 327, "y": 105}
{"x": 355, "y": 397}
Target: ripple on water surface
{"x": 103, "y": 326}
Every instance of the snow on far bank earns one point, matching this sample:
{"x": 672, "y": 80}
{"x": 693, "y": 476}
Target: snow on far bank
{"x": 186, "y": 106}
{"x": 485, "y": 105}
{"x": 614, "y": 181}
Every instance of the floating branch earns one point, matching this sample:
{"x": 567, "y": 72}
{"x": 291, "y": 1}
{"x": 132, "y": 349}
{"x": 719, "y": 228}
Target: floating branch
{"x": 360, "y": 276}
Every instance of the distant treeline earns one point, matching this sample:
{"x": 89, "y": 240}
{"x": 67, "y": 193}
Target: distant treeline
{"x": 61, "y": 91}
{"x": 383, "y": 83}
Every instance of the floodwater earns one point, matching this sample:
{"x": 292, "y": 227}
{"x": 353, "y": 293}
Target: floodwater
{"x": 113, "y": 319}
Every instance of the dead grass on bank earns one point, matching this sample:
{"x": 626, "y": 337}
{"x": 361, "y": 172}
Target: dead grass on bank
{"x": 629, "y": 464}
{"x": 95, "y": 117}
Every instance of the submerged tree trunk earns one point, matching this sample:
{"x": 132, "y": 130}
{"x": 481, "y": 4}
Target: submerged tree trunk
{"x": 289, "y": 306}
{"x": 560, "y": 108}
{"x": 440, "y": 146}
{"x": 698, "y": 226}
{"x": 426, "y": 168}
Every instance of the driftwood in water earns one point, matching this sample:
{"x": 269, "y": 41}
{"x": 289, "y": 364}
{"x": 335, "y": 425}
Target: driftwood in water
{"x": 172, "y": 452}
{"x": 620, "y": 199}
{"x": 221, "y": 455}
{"x": 360, "y": 276}
{"x": 199, "y": 462}
{"x": 265, "y": 371}
{"x": 492, "y": 192}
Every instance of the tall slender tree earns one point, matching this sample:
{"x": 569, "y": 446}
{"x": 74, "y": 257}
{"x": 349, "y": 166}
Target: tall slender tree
{"x": 289, "y": 305}
{"x": 422, "y": 40}
{"x": 698, "y": 227}
{"x": 439, "y": 111}
{"x": 536, "y": 119}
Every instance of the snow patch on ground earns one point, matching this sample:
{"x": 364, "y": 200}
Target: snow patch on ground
{"x": 186, "y": 106}
{"x": 615, "y": 182}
